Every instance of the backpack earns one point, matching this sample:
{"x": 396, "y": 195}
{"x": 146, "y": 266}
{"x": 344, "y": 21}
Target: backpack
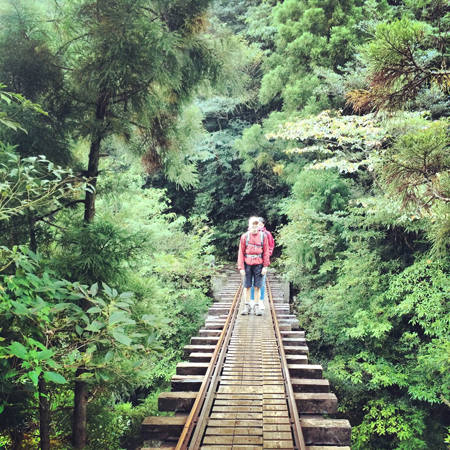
{"x": 261, "y": 237}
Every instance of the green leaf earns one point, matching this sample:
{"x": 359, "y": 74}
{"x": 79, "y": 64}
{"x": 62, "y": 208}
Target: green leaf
{"x": 109, "y": 356}
{"x": 121, "y": 337}
{"x": 95, "y": 326}
{"x": 117, "y": 317}
{"x": 51, "y": 363}
{"x": 85, "y": 376}
{"x": 91, "y": 349}
{"x": 19, "y": 309}
{"x": 94, "y": 289}
{"x": 46, "y": 354}
{"x": 33, "y": 377}
{"x": 79, "y": 330}
{"x": 17, "y": 349}
{"x": 61, "y": 306}
{"x": 85, "y": 318}
{"x": 37, "y": 344}
{"x": 93, "y": 310}
{"x": 107, "y": 289}
{"x": 100, "y": 302}
{"x": 11, "y": 374}
{"x": 54, "y": 377}
{"x": 122, "y": 305}
{"x": 105, "y": 376}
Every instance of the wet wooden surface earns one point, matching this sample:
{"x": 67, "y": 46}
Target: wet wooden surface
{"x": 250, "y": 409}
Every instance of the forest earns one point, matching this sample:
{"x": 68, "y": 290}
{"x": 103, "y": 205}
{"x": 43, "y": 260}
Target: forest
{"x": 138, "y": 136}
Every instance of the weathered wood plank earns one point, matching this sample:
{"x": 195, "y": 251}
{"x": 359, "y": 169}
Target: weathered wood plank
{"x": 326, "y": 431}
{"x": 162, "y": 428}
{"x": 200, "y": 357}
{"x": 198, "y": 340}
{"x": 186, "y": 383}
{"x": 316, "y": 403}
{"x": 189, "y": 368}
{"x": 188, "y": 349}
{"x": 176, "y": 401}
{"x": 310, "y": 385}
{"x": 305, "y": 371}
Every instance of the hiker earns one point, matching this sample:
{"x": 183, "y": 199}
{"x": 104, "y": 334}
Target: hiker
{"x": 253, "y": 260}
{"x": 270, "y": 240}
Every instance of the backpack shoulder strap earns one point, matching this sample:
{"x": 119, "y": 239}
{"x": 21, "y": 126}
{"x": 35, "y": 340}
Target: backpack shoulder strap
{"x": 261, "y": 237}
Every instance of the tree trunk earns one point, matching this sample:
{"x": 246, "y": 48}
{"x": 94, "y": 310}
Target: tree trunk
{"x": 44, "y": 415}
{"x": 94, "y": 153}
{"x": 92, "y": 174}
{"x": 32, "y": 230}
{"x": 79, "y": 433}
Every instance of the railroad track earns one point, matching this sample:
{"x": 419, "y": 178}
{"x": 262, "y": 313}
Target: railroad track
{"x": 248, "y": 385}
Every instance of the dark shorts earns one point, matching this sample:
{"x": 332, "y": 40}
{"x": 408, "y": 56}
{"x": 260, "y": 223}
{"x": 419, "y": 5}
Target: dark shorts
{"x": 253, "y": 273}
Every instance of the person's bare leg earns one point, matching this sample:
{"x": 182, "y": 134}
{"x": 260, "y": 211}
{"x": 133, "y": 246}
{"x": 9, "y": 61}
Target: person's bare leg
{"x": 249, "y": 304}
{"x": 257, "y": 295}
{"x": 258, "y": 310}
{"x": 263, "y": 293}
{"x": 249, "y": 298}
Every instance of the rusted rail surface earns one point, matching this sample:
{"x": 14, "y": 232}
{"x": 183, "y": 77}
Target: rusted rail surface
{"x": 248, "y": 385}
{"x": 297, "y": 433}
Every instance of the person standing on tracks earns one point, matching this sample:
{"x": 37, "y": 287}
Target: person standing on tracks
{"x": 253, "y": 261}
{"x": 271, "y": 241}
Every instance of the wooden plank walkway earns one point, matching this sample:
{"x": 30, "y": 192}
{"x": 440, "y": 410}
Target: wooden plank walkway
{"x": 250, "y": 408}
{"x": 247, "y": 404}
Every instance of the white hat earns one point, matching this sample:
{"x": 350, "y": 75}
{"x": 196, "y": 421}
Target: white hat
{"x": 252, "y": 219}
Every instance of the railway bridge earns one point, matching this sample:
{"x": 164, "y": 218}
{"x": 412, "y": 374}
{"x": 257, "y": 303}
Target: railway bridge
{"x": 248, "y": 384}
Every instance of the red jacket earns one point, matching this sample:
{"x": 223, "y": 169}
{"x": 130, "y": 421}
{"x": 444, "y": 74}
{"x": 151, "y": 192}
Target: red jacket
{"x": 253, "y": 248}
{"x": 270, "y": 239}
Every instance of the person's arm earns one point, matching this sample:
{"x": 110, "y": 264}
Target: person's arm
{"x": 241, "y": 254}
{"x": 266, "y": 256}
{"x": 271, "y": 243}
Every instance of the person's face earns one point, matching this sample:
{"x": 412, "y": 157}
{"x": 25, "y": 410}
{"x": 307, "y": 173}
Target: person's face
{"x": 254, "y": 227}
{"x": 260, "y": 225}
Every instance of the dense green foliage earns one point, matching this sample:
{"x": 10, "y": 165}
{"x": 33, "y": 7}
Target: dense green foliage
{"x": 367, "y": 240}
{"x": 365, "y": 234}
{"x": 186, "y": 120}
{"x": 94, "y": 297}
{"x": 46, "y": 329}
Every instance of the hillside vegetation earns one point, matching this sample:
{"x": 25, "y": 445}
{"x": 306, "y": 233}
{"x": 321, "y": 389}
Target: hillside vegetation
{"x": 137, "y": 136}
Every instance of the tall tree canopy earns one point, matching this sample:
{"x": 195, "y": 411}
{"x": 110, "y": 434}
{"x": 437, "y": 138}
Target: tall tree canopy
{"x": 173, "y": 121}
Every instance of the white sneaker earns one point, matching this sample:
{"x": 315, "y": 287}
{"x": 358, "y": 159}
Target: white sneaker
{"x": 258, "y": 311}
{"x": 246, "y": 310}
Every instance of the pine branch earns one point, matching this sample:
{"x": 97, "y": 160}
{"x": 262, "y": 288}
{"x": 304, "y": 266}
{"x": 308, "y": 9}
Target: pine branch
{"x": 67, "y": 205}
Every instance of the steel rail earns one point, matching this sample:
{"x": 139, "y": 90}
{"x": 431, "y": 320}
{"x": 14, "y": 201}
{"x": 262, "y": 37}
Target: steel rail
{"x": 299, "y": 440}
{"x": 198, "y": 415}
